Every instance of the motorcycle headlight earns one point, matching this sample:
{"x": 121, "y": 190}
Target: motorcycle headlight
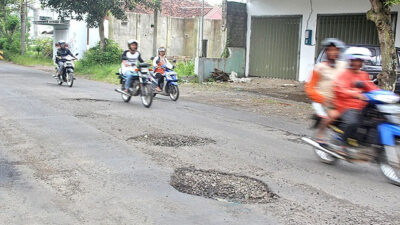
{"x": 389, "y": 99}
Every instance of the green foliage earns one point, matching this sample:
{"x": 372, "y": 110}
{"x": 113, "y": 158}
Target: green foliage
{"x": 43, "y": 46}
{"x": 185, "y": 68}
{"x": 104, "y": 73}
{"x": 30, "y": 59}
{"x": 94, "y": 12}
{"x": 392, "y": 2}
{"x": 95, "y": 56}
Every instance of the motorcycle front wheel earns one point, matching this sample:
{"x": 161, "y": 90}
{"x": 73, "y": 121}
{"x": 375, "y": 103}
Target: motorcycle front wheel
{"x": 146, "y": 94}
{"x": 174, "y": 93}
{"x": 392, "y": 173}
{"x": 325, "y": 157}
{"x": 70, "y": 79}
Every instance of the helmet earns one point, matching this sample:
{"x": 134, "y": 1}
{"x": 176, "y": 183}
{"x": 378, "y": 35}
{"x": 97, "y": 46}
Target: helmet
{"x": 61, "y": 42}
{"x": 162, "y": 49}
{"x": 131, "y": 41}
{"x": 361, "y": 53}
{"x": 333, "y": 41}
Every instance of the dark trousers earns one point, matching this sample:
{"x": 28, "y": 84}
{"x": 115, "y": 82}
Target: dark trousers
{"x": 351, "y": 120}
{"x": 160, "y": 79}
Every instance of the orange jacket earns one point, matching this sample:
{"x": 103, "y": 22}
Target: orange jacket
{"x": 346, "y": 92}
{"x": 311, "y": 88}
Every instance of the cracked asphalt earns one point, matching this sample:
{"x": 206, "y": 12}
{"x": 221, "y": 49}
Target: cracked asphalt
{"x": 67, "y": 157}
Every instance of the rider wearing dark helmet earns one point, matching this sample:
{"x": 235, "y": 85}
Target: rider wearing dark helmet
{"x": 130, "y": 60}
{"x": 320, "y": 86}
{"x": 62, "y": 52}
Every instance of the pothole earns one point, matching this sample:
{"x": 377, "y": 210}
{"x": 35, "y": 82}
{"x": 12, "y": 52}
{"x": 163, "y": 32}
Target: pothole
{"x": 171, "y": 140}
{"x": 86, "y": 99}
{"x": 8, "y": 172}
{"x": 221, "y": 186}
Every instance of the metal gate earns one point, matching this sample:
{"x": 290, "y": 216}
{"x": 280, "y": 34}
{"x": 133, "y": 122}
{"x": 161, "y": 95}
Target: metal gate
{"x": 274, "y": 48}
{"x": 352, "y": 29}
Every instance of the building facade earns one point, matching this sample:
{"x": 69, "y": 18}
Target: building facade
{"x": 283, "y": 36}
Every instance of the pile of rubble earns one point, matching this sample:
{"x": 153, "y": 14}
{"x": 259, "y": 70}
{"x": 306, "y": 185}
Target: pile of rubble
{"x": 219, "y": 75}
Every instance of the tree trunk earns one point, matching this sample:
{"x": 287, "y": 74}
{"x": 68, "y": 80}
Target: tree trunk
{"x": 102, "y": 36}
{"x": 380, "y": 14}
{"x": 155, "y": 33}
{"x": 23, "y": 25}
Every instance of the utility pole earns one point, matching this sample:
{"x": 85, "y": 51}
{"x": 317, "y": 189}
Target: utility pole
{"x": 23, "y": 25}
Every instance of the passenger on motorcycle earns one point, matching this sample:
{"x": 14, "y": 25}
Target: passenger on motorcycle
{"x": 62, "y": 52}
{"x": 161, "y": 63}
{"x": 130, "y": 60}
{"x": 320, "y": 87}
{"x": 349, "y": 87}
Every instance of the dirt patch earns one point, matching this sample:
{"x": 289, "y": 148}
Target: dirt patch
{"x": 221, "y": 186}
{"x": 171, "y": 140}
{"x": 85, "y": 99}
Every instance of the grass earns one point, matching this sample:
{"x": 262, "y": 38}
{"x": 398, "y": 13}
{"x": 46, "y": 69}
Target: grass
{"x": 105, "y": 73}
{"x": 185, "y": 69}
{"x": 30, "y": 60}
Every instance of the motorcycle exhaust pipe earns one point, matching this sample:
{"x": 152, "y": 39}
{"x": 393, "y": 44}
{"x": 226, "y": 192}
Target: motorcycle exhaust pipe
{"x": 121, "y": 92}
{"x": 318, "y": 146}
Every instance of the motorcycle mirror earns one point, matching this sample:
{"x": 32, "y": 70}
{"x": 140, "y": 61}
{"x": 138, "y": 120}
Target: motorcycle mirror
{"x": 76, "y": 54}
{"x": 174, "y": 61}
{"x": 152, "y": 58}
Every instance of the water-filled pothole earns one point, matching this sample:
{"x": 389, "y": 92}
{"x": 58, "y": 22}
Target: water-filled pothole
{"x": 217, "y": 185}
{"x": 86, "y": 99}
{"x": 172, "y": 140}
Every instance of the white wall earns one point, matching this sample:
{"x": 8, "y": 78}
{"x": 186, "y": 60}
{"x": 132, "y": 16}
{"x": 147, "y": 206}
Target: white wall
{"x": 303, "y": 7}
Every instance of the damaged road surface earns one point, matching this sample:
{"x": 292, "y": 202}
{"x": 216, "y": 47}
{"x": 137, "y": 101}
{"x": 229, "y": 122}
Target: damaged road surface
{"x": 81, "y": 156}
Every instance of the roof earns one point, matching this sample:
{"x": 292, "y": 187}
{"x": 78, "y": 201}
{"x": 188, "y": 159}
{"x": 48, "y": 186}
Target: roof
{"x": 178, "y": 8}
{"x": 214, "y": 14}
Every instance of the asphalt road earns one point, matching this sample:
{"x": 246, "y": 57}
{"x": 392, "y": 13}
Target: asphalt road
{"x": 66, "y": 157}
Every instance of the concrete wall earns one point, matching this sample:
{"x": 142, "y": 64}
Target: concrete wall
{"x": 178, "y": 35}
{"x": 303, "y": 7}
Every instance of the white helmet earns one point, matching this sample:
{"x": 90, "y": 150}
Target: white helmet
{"x": 131, "y": 41}
{"x": 361, "y": 53}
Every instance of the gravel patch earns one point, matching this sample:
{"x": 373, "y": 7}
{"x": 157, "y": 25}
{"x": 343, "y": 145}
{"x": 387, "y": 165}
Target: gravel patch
{"x": 221, "y": 186}
{"x": 171, "y": 140}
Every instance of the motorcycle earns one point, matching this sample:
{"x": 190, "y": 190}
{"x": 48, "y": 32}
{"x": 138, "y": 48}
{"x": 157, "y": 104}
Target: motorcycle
{"x": 140, "y": 85}
{"x": 377, "y": 139}
{"x": 67, "y": 75}
{"x": 169, "y": 85}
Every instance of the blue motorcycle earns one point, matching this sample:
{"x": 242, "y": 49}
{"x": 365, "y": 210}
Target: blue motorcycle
{"x": 169, "y": 85}
{"x": 377, "y": 138}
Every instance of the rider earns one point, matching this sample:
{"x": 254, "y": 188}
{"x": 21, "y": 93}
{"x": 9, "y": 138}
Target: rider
{"x": 161, "y": 63}
{"x": 349, "y": 100}
{"x": 130, "y": 59}
{"x": 62, "y": 52}
{"x": 319, "y": 88}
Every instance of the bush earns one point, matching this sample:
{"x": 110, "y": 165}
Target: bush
{"x": 185, "y": 68}
{"x": 44, "y": 46}
{"x": 95, "y": 56}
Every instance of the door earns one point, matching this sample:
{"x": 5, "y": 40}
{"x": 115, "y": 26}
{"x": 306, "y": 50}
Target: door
{"x": 274, "y": 47}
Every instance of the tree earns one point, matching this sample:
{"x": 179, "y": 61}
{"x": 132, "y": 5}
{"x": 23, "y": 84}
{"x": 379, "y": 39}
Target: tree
{"x": 380, "y": 14}
{"x": 94, "y": 12}
{"x": 23, "y": 25}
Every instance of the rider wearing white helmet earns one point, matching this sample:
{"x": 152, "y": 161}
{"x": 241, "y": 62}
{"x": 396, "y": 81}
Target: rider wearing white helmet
{"x": 320, "y": 86}
{"x": 130, "y": 60}
{"x": 161, "y": 63}
{"x": 349, "y": 86}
